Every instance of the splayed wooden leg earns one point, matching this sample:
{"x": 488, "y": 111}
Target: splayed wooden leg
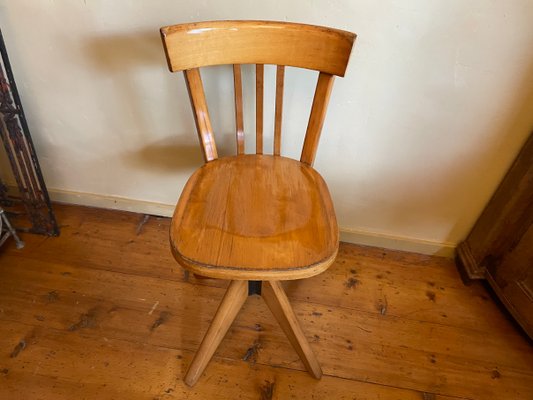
{"x": 227, "y": 311}
{"x": 278, "y": 303}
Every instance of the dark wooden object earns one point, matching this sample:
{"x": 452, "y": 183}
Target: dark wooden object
{"x": 500, "y": 246}
{"x": 16, "y": 138}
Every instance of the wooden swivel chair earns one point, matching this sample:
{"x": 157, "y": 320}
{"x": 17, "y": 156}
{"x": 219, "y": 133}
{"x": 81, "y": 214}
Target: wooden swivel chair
{"x": 255, "y": 219}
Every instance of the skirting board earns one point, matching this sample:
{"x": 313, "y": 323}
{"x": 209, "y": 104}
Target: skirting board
{"x": 349, "y": 235}
{"x": 111, "y": 202}
{"x": 412, "y": 245}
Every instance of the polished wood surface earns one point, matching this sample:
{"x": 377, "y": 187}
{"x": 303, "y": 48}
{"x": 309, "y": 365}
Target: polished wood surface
{"x": 228, "y": 309}
{"x": 236, "y": 294}
{"x": 277, "y": 301}
{"x": 259, "y": 89}
{"x": 190, "y": 46}
{"x": 280, "y": 79}
{"x": 255, "y": 217}
{"x": 201, "y": 114}
{"x": 199, "y": 44}
{"x": 239, "y": 118}
{"x": 106, "y": 313}
{"x": 317, "y": 117}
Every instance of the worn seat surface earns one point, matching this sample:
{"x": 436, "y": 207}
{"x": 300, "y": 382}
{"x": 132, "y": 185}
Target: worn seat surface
{"x": 255, "y": 217}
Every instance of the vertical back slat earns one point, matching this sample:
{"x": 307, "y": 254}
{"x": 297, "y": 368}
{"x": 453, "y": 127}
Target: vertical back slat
{"x": 259, "y": 74}
{"x": 280, "y": 78}
{"x": 239, "y": 119}
{"x": 316, "y": 119}
{"x": 201, "y": 114}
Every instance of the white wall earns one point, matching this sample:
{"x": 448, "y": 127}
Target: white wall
{"x": 437, "y": 101}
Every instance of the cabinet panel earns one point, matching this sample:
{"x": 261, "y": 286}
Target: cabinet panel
{"x": 514, "y": 278}
{"x": 500, "y": 245}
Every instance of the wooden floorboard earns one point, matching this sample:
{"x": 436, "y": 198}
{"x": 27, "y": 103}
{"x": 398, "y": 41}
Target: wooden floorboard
{"x": 103, "y": 311}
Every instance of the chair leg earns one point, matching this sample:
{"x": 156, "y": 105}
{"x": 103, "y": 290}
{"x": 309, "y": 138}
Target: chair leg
{"x": 227, "y": 311}
{"x": 278, "y": 303}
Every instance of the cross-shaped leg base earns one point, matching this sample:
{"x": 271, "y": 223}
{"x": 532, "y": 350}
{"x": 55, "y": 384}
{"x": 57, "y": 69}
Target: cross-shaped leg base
{"x": 276, "y": 299}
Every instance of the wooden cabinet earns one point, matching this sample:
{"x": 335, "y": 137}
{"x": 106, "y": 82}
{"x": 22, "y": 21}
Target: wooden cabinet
{"x": 500, "y": 246}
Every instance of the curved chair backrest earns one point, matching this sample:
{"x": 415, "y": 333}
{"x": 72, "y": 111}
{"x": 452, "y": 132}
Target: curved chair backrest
{"x": 190, "y": 46}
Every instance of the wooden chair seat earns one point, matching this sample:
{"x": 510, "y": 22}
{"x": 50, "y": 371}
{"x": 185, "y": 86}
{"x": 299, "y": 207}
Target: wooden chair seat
{"x": 255, "y": 217}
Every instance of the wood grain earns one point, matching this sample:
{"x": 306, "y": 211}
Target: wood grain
{"x": 280, "y": 78}
{"x": 398, "y": 280}
{"x": 383, "y": 323}
{"x": 201, "y": 114}
{"x": 239, "y": 119}
{"x": 382, "y": 349}
{"x": 60, "y": 365}
{"x": 200, "y": 44}
{"x": 276, "y": 300}
{"x": 259, "y": 89}
{"x": 230, "y": 305}
{"x": 317, "y": 117}
{"x": 255, "y": 217}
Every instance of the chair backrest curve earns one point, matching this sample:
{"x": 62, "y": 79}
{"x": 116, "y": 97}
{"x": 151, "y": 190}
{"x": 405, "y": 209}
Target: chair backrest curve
{"x": 191, "y": 46}
{"x": 257, "y": 42}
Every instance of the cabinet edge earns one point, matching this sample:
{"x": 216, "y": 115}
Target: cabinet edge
{"x": 466, "y": 264}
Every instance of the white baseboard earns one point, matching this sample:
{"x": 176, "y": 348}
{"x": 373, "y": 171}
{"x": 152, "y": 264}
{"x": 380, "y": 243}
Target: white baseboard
{"x": 111, "y": 202}
{"x": 413, "y": 245}
{"x": 350, "y": 235}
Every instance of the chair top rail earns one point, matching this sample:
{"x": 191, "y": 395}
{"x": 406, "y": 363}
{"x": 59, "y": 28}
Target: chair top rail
{"x": 201, "y": 44}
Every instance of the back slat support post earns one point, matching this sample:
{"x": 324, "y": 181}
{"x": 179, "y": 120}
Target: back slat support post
{"x": 201, "y": 114}
{"x": 280, "y": 77}
{"x": 259, "y": 74}
{"x": 239, "y": 119}
{"x": 316, "y": 119}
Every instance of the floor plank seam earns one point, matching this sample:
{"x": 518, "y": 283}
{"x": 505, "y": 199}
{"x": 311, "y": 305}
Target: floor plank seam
{"x": 293, "y": 299}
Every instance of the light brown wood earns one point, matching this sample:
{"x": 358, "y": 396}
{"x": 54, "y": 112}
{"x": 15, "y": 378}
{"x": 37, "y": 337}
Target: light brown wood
{"x": 122, "y": 369}
{"x": 227, "y": 311}
{"x": 414, "y": 329}
{"x": 280, "y": 78}
{"x": 201, "y": 114}
{"x": 382, "y": 272}
{"x": 262, "y": 217}
{"x": 259, "y": 78}
{"x": 190, "y": 46}
{"x": 200, "y": 44}
{"x": 235, "y": 296}
{"x": 255, "y": 217}
{"x": 125, "y": 308}
{"x": 276, "y": 299}
{"x": 317, "y": 117}
{"x": 239, "y": 119}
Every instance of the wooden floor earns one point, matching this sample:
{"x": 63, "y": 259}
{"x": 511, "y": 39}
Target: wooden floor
{"x": 104, "y": 312}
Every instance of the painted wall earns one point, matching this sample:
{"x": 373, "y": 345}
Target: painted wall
{"x": 437, "y": 101}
